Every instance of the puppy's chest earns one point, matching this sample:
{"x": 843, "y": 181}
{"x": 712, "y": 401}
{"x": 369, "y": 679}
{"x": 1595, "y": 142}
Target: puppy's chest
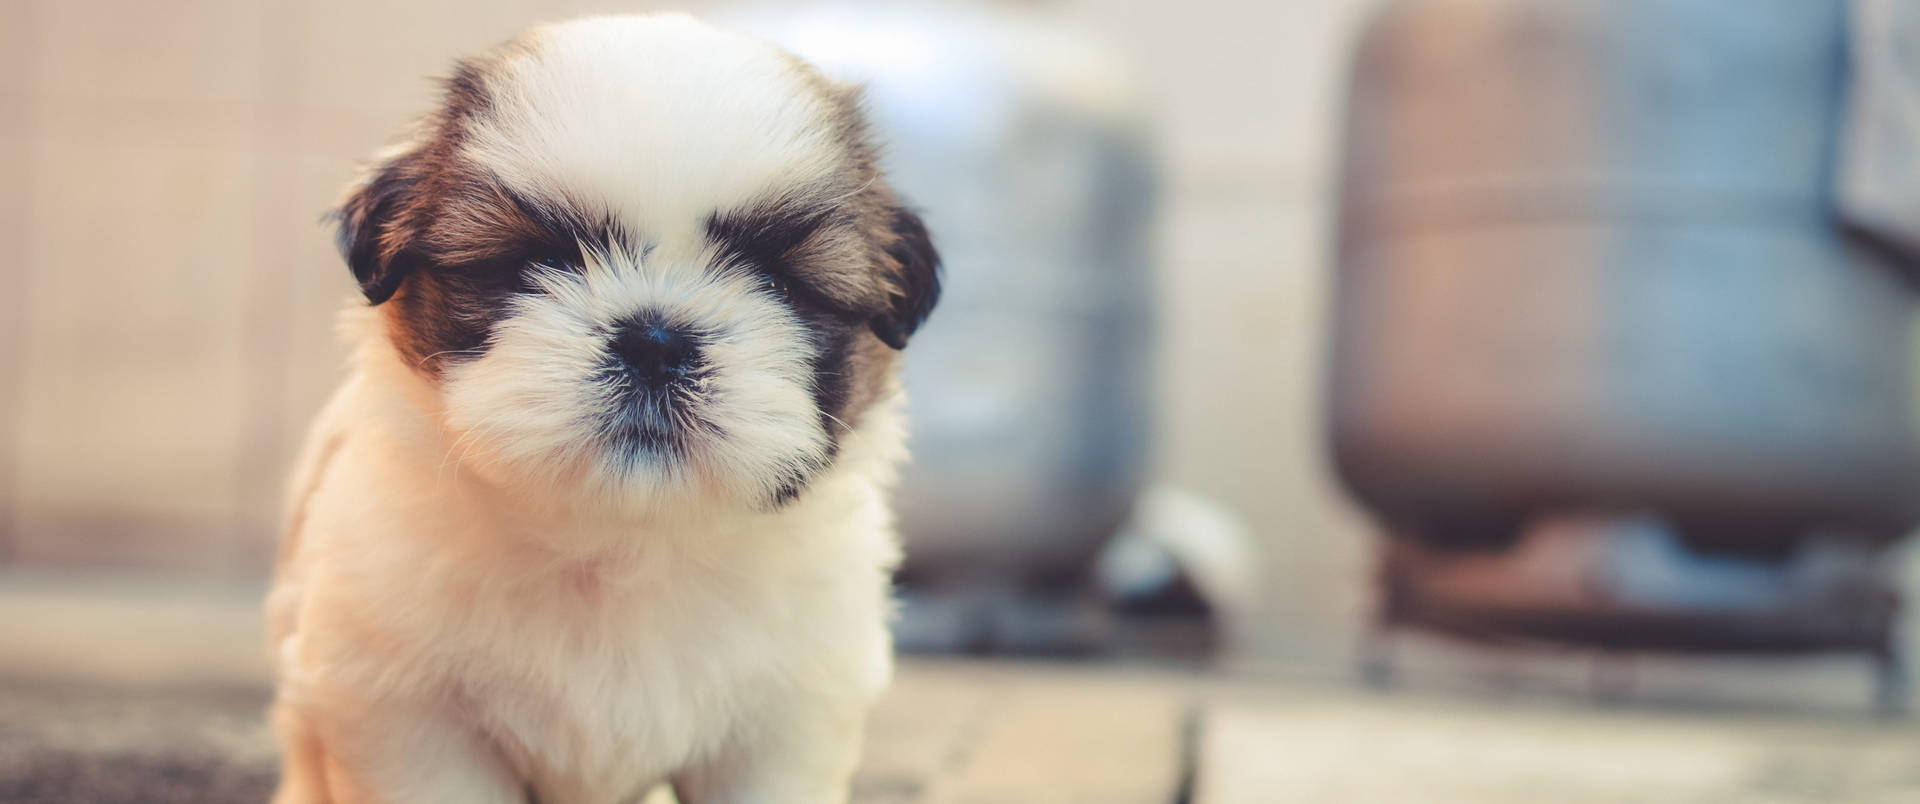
{"x": 591, "y": 694}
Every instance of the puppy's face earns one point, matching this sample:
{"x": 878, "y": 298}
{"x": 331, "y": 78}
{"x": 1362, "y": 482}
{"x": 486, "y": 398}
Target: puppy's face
{"x": 643, "y": 262}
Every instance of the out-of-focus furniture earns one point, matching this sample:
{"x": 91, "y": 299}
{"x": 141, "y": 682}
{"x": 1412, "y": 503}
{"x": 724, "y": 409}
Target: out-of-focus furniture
{"x": 1031, "y": 384}
{"x": 1588, "y": 263}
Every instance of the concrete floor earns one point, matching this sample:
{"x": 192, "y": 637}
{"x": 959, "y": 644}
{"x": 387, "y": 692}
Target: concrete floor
{"x": 968, "y": 732}
{"x": 949, "y": 732}
{"x": 1300, "y": 746}
{"x": 163, "y": 701}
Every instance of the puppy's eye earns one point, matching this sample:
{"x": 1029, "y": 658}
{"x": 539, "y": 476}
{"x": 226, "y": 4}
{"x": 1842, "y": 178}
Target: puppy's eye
{"x": 538, "y": 264}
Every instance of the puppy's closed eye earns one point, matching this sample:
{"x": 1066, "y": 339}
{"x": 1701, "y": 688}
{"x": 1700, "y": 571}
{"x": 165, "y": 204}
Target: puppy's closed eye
{"x": 765, "y": 238}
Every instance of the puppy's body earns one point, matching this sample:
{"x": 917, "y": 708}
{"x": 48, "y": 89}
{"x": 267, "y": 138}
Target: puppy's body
{"x": 431, "y": 668}
{"x": 602, "y": 502}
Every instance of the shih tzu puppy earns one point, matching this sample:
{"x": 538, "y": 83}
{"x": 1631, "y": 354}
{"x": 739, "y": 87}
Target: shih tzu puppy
{"x": 602, "y": 504}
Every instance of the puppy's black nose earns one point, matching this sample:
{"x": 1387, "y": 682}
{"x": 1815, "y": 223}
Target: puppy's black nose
{"x": 655, "y": 353}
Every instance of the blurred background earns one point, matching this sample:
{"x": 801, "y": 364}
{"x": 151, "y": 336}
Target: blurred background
{"x": 169, "y": 326}
{"x": 1533, "y": 364}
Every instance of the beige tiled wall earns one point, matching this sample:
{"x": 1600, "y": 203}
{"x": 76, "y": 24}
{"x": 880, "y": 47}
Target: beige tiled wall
{"x": 165, "y": 321}
{"x": 169, "y": 314}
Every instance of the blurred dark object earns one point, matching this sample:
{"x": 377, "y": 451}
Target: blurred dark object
{"x": 1030, "y": 385}
{"x": 1627, "y": 584}
{"x": 1588, "y": 261}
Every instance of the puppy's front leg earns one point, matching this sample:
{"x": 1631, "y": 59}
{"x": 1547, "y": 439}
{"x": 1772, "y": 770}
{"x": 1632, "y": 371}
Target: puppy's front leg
{"x": 791, "y": 755}
{"x": 393, "y": 755}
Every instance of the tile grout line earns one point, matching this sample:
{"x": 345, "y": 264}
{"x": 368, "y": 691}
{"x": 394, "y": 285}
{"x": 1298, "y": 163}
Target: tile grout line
{"x": 12, "y": 315}
{"x": 1192, "y": 728}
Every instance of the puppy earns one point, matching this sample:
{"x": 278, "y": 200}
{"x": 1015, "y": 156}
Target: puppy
{"x": 602, "y": 503}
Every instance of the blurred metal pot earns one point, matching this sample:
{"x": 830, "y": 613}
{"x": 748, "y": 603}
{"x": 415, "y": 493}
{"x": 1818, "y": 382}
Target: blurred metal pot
{"x": 1587, "y": 259}
{"x": 1030, "y": 385}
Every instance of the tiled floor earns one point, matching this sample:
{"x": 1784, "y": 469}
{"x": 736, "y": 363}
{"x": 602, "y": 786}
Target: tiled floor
{"x": 1343, "y": 747}
{"x": 955, "y": 732}
{"x": 949, "y": 732}
{"x": 160, "y": 690}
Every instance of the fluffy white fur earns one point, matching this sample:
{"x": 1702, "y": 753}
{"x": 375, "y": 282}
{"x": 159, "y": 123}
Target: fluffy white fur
{"x": 718, "y": 121}
{"x": 474, "y": 604}
{"x": 529, "y": 411}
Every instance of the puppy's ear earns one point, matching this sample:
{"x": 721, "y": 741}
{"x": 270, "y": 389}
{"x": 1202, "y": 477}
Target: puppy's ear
{"x": 916, "y": 280}
{"x": 375, "y": 235}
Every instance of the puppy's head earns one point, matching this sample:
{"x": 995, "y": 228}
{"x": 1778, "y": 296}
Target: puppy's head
{"x": 643, "y": 261}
